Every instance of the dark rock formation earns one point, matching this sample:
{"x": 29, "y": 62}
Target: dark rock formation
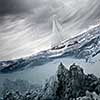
{"x": 72, "y": 84}
{"x": 17, "y": 89}
{"x": 69, "y": 84}
{"x": 89, "y": 96}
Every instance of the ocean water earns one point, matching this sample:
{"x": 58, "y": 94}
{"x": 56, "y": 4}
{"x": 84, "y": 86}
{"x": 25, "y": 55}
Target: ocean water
{"x": 40, "y": 74}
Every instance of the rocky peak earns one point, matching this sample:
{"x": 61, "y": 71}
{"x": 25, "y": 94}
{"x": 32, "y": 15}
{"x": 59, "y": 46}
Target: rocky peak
{"x": 72, "y": 84}
{"x": 76, "y": 72}
{"x": 62, "y": 72}
{"x": 69, "y": 84}
{"x": 76, "y": 69}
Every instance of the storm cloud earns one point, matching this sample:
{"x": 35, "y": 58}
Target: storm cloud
{"x": 26, "y": 25}
{"x": 21, "y": 6}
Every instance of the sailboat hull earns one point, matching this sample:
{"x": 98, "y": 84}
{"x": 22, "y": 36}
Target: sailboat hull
{"x": 58, "y": 47}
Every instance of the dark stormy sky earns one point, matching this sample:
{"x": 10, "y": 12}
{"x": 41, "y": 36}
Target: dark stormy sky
{"x": 25, "y": 25}
{"x": 15, "y": 6}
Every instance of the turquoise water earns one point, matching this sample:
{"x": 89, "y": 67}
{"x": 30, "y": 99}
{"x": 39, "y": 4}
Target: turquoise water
{"x": 40, "y": 73}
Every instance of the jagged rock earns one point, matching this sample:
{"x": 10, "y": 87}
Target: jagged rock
{"x": 72, "y": 84}
{"x": 62, "y": 76}
{"x": 69, "y": 84}
{"x": 18, "y": 90}
{"x": 89, "y": 96}
{"x": 49, "y": 89}
{"x": 19, "y": 85}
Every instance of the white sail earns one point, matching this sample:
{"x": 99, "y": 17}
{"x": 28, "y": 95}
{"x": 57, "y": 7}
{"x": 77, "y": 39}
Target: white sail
{"x": 56, "y": 31}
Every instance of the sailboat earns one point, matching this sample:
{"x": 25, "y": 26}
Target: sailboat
{"x": 57, "y": 37}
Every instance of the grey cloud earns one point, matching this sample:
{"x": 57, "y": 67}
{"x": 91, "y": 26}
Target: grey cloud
{"x": 27, "y": 26}
{"x": 17, "y": 6}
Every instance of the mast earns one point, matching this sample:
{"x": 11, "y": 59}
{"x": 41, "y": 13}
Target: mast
{"x": 56, "y": 31}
